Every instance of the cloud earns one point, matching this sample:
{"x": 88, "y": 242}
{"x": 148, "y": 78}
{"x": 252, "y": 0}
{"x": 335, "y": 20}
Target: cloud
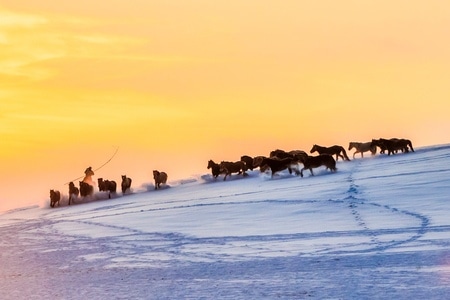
{"x": 10, "y": 19}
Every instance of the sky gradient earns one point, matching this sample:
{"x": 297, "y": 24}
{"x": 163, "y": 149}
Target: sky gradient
{"x": 173, "y": 84}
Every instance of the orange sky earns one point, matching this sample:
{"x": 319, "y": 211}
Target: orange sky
{"x": 175, "y": 83}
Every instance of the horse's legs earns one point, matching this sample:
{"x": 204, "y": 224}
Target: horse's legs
{"x": 310, "y": 169}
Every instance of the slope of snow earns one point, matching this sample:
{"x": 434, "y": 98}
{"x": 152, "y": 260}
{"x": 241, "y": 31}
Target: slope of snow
{"x": 379, "y": 227}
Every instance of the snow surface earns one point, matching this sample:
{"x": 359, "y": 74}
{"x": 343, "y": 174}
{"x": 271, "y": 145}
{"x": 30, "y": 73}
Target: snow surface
{"x": 378, "y": 228}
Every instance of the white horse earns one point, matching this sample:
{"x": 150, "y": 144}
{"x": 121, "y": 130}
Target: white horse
{"x": 362, "y": 147}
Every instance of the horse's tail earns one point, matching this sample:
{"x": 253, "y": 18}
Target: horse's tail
{"x": 373, "y": 149}
{"x": 410, "y": 145}
{"x": 345, "y": 154}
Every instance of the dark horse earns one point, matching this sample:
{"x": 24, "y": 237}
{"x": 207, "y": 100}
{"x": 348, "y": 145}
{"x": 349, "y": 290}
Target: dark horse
{"x": 393, "y": 145}
{"x": 73, "y": 191}
{"x": 316, "y": 161}
{"x": 295, "y": 154}
{"x": 277, "y": 165}
{"x": 331, "y": 151}
{"x": 160, "y": 178}
{"x": 126, "y": 183}
{"x": 233, "y": 167}
{"x": 215, "y": 168}
{"x": 86, "y": 189}
{"x": 109, "y": 186}
{"x": 55, "y": 196}
{"x": 248, "y": 162}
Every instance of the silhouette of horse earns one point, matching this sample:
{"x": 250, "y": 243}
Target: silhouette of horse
{"x": 248, "y": 162}
{"x": 73, "y": 191}
{"x": 362, "y": 147}
{"x": 280, "y": 154}
{"x": 55, "y": 196}
{"x": 276, "y": 164}
{"x": 337, "y": 150}
{"x": 393, "y": 145}
{"x": 379, "y": 144}
{"x": 311, "y": 162}
{"x": 298, "y": 154}
{"x": 159, "y": 177}
{"x": 86, "y": 189}
{"x": 257, "y": 161}
{"x": 295, "y": 154}
{"x": 126, "y": 183}
{"x": 228, "y": 168}
{"x": 109, "y": 186}
{"x": 215, "y": 168}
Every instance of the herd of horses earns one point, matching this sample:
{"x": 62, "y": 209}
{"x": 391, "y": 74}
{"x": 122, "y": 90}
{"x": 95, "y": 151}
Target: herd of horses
{"x": 86, "y": 186}
{"x": 278, "y": 160}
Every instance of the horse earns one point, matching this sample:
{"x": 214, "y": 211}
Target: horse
{"x": 331, "y": 150}
{"x": 228, "y": 168}
{"x": 362, "y": 147}
{"x": 109, "y": 186}
{"x": 311, "y": 162}
{"x": 298, "y": 154}
{"x": 248, "y": 162}
{"x": 160, "y": 177}
{"x": 295, "y": 154}
{"x": 126, "y": 183}
{"x": 55, "y": 196}
{"x": 379, "y": 144}
{"x": 73, "y": 191}
{"x": 280, "y": 154}
{"x": 257, "y": 161}
{"x": 277, "y": 165}
{"x": 86, "y": 189}
{"x": 393, "y": 145}
{"x": 215, "y": 168}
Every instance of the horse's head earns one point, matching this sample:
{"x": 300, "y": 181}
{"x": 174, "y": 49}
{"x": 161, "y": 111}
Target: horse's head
{"x": 313, "y": 149}
{"x": 351, "y": 145}
{"x": 155, "y": 174}
{"x": 210, "y": 164}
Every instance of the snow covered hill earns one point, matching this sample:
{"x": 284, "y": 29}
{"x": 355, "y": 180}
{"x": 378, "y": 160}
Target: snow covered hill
{"x": 377, "y": 228}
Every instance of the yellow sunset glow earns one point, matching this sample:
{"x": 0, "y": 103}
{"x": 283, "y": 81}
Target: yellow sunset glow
{"x": 173, "y": 84}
